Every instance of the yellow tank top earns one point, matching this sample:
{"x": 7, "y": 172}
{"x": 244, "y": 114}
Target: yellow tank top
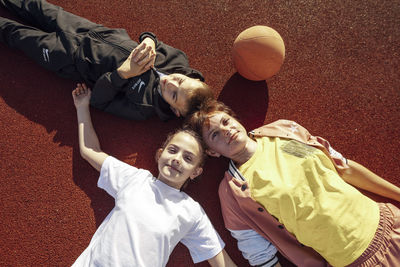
{"x": 299, "y": 185}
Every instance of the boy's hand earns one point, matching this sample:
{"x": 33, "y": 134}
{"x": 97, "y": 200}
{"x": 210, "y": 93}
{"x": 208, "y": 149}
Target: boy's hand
{"x": 147, "y": 48}
{"x": 81, "y": 95}
{"x": 140, "y": 60}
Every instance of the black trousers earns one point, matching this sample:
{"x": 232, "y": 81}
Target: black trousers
{"x": 52, "y": 38}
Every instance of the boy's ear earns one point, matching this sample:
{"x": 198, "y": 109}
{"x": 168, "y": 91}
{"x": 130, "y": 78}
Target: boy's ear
{"x": 196, "y": 173}
{"x": 158, "y": 154}
{"x": 212, "y": 153}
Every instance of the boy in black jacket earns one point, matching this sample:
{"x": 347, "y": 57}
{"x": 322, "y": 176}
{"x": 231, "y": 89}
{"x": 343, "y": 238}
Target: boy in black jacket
{"x": 131, "y": 80}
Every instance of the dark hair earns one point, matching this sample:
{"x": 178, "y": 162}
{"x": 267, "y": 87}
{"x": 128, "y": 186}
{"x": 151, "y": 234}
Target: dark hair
{"x": 196, "y": 97}
{"x": 199, "y": 118}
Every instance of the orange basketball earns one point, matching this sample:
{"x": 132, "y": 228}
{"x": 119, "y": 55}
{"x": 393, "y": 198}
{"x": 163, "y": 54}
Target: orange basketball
{"x": 258, "y": 53}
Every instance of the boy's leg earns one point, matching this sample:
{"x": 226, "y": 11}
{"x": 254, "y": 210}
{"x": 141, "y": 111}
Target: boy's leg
{"x": 48, "y": 17}
{"x": 50, "y": 50}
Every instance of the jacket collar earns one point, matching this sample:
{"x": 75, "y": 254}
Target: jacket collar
{"x": 233, "y": 171}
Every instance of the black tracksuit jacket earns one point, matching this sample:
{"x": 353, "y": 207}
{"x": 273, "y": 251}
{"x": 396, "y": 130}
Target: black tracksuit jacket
{"x": 136, "y": 98}
{"x": 79, "y": 49}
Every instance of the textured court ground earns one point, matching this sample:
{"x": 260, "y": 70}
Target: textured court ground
{"x": 340, "y": 79}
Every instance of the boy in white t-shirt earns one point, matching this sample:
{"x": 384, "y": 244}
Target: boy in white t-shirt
{"x": 151, "y": 214}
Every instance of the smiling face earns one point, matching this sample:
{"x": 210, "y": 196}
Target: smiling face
{"x": 175, "y": 90}
{"x": 224, "y": 135}
{"x": 179, "y": 160}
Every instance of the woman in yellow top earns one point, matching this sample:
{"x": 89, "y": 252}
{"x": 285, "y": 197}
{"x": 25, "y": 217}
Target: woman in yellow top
{"x": 307, "y": 186}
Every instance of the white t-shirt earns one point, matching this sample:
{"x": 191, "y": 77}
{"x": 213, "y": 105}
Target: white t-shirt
{"x": 148, "y": 220}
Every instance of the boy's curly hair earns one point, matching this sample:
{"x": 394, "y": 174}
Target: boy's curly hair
{"x": 196, "y": 97}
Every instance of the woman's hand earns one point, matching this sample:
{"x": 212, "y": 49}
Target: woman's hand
{"x": 81, "y": 95}
{"x": 140, "y": 60}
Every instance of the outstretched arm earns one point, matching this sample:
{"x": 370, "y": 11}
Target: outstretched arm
{"x": 89, "y": 145}
{"x": 222, "y": 259}
{"x": 363, "y": 178}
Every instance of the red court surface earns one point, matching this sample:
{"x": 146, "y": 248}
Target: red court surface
{"x": 340, "y": 80}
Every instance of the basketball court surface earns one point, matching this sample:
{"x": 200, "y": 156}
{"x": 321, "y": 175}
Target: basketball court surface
{"x": 340, "y": 79}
